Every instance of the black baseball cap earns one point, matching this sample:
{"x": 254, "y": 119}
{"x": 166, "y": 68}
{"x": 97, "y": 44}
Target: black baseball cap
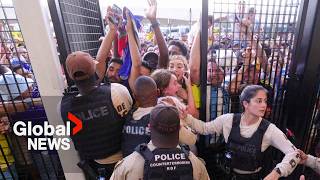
{"x": 164, "y": 120}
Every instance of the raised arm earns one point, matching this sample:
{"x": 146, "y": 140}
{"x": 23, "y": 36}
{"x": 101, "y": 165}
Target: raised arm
{"x": 134, "y": 53}
{"x": 256, "y": 45}
{"x": 105, "y": 48}
{"x": 237, "y": 79}
{"x": 194, "y": 61}
{"x": 191, "y": 108}
{"x": 151, "y": 14}
{"x": 12, "y": 107}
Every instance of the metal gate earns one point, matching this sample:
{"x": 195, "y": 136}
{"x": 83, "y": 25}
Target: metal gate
{"x": 267, "y": 43}
{"x": 78, "y": 26}
{"x": 20, "y": 101}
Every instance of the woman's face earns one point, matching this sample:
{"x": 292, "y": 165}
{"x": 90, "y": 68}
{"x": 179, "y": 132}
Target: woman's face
{"x": 177, "y": 66}
{"x": 172, "y": 88}
{"x": 257, "y": 105}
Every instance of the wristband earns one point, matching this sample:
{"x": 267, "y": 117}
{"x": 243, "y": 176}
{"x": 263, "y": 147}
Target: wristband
{"x": 155, "y": 24}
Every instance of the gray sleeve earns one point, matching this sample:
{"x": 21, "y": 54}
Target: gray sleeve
{"x": 313, "y": 163}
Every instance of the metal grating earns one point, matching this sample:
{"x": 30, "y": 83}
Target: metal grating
{"x": 20, "y": 101}
{"x": 83, "y": 24}
{"x": 266, "y": 43}
{"x": 272, "y": 28}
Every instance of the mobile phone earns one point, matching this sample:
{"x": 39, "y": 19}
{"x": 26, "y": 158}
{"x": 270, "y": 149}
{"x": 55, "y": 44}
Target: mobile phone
{"x": 116, "y": 10}
{"x": 186, "y": 74}
{"x": 115, "y": 18}
{"x": 112, "y": 20}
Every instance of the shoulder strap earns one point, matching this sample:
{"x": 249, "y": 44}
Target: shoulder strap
{"x": 144, "y": 151}
{"x": 235, "y": 129}
{"x": 129, "y": 115}
{"x": 236, "y": 119}
{"x": 263, "y": 126}
{"x": 185, "y": 149}
{"x": 106, "y": 88}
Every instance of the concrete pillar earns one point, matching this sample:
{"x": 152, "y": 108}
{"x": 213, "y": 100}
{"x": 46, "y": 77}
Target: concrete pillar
{"x": 33, "y": 17}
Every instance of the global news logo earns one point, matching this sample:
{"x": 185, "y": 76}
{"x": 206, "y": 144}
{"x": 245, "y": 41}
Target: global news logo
{"x": 46, "y": 136}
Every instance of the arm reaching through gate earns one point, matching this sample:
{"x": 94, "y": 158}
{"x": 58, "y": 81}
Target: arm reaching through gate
{"x": 310, "y": 161}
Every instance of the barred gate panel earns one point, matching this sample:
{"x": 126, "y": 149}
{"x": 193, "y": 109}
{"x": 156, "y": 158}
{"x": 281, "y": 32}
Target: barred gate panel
{"x": 250, "y": 42}
{"x": 78, "y": 26}
{"x": 20, "y": 101}
{"x": 267, "y": 43}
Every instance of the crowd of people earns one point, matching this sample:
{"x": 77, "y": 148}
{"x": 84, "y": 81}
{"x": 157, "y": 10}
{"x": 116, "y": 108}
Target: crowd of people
{"x": 139, "y": 101}
{"x": 153, "y": 100}
{"x": 20, "y": 101}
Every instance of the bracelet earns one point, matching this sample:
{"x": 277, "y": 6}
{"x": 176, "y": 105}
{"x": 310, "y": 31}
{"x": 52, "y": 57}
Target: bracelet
{"x": 155, "y": 24}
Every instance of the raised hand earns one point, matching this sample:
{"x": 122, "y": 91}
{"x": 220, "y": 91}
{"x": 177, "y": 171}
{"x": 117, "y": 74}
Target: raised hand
{"x": 108, "y": 19}
{"x": 183, "y": 113}
{"x": 129, "y": 25}
{"x": 303, "y": 157}
{"x": 151, "y": 12}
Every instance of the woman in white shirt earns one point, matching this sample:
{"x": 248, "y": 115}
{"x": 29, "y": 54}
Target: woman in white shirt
{"x": 248, "y": 135}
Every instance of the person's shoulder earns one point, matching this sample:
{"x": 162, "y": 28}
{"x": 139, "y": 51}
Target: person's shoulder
{"x": 134, "y": 160}
{"x": 225, "y": 119}
{"x": 271, "y": 127}
{"x": 121, "y": 98}
{"x": 273, "y": 131}
{"x": 116, "y": 86}
{"x": 227, "y": 116}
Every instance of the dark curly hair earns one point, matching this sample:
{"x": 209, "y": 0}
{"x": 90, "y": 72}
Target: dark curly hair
{"x": 182, "y": 46}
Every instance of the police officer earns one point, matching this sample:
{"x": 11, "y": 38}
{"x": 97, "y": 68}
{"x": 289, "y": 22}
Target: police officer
{"x": 136, "y": 129}
{"x": 100, "y": 109}
{"x": 248, "y": 135}
{"x": 162, "y": 157}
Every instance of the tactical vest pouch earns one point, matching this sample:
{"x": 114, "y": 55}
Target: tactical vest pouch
{"x": 166, "y": 164}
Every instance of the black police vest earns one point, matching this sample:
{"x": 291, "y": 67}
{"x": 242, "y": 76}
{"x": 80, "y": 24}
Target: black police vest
{"x": 246, "y": 153}
{"x": 166, "y": 164}
{"x": 101, "y": 131}
{"x": 135, "y": 132}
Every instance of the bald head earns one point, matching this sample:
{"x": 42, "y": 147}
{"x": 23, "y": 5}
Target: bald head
{"x": 145, "y": 90}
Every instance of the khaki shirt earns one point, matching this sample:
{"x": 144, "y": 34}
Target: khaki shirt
{"x": 131, "y": 167}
